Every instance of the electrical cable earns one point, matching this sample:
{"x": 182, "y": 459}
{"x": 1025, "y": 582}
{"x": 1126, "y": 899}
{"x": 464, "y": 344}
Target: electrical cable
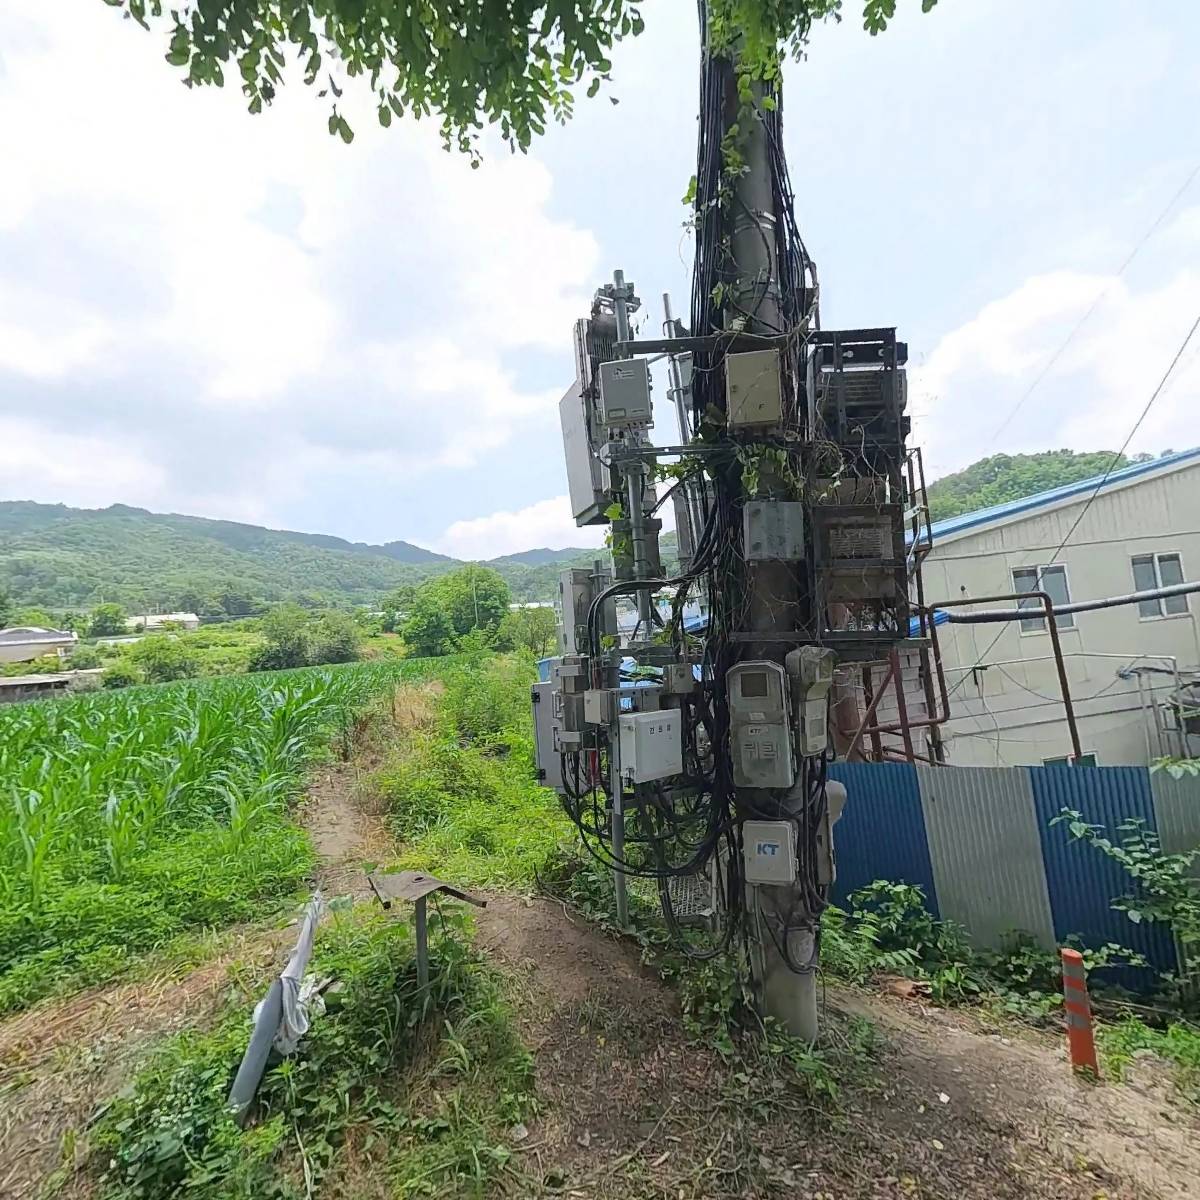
{"x": 1095, "y": 303}
{"x": 1111, "y": 467}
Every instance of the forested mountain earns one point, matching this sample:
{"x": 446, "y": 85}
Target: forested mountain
{"x": 542, "y": 555}
{"x": 1005, "y": 477}
{"x": 56, "y": 557}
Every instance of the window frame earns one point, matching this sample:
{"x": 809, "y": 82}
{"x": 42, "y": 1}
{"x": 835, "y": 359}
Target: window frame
{"x": 1069, "y": 760}
{"x": 1162, "y": 615}
{"x": 1065, "y": 621}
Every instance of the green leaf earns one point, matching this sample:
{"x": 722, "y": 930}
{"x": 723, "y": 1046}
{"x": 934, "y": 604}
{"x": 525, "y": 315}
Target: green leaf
{"x": 593, "y": 87}
{"x": 385, "y": 115}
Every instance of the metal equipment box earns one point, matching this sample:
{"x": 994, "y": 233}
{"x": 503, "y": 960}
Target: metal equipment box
{"x": 598, "y": 706}
{"x": 576, "y": 588}
{"x": 651, "y": 745}
{"x": 547, "y": 755}
{"x": 625, "y": 394}
{"x": 773, "y": 530}
{"x": 769, "y": 851}
{"x": 587, "y": 482}
{"x": 753, "y": 395}
{"x": 678, "y": 679}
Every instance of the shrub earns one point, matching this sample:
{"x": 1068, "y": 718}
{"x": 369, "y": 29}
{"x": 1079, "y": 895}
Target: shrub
{"x": 120, "y": 675}
{"x": 163, "y": 659}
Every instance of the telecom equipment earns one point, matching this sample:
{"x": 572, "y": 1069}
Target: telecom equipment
{"x": 686, "y": 722}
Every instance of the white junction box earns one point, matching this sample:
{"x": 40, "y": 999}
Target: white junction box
{"x": 769, "y": 851}
{"x": 625, "y": 393}
{"x": 773, "y": 530}
{"x": 651, "y": 745}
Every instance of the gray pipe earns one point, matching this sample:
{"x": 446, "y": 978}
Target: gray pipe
{"x": 991, "y": 616}
{"x": 254, "y": 1062}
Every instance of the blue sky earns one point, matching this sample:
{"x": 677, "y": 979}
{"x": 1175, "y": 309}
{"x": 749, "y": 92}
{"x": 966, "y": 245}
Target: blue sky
{"x": 206, "y": 312}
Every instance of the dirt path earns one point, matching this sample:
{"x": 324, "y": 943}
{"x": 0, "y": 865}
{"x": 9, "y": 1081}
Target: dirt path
{"x": 632, "y": 1109}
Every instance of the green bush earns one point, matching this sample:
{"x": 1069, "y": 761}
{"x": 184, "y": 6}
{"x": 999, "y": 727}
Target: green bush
{"x": 84, "y": 657}
{"x": 171, "y": 1133}
{"x": 163, "y": 658}
{"x": 463, "y": 797}
{"x": 121, "y": 675}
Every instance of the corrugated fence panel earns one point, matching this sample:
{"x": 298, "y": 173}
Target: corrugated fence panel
{"x": 1176, "y": 811}
{"x": 986, "y": 852}
{"x": 881, "y": 834}
{"x": 1082, "y": 881}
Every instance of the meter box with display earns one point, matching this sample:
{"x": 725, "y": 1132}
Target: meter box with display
{"x": 760, "y": 729}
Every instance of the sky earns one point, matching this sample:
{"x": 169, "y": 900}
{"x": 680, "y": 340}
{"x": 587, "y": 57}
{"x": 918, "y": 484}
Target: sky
{"x": 238, "y": 316}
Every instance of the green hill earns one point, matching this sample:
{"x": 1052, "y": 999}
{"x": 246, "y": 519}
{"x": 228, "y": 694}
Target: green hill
{"x": 56, "y": 557}
{"x": 1005, "y": 477}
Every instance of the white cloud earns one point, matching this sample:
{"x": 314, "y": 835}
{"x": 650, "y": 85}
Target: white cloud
{"x": 546, "y": 523}
{"x": 966, "y": 391}
{"x": 250, "y": 288}
{"x": 78, "y": 470}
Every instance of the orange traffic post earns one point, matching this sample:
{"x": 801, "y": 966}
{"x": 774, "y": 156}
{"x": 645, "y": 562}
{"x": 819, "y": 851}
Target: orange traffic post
{"x": 1080, "y": 1037}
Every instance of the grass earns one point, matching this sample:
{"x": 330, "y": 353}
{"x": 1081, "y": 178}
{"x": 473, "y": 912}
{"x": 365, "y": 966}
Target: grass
{"x": 418, "y": 1086}
{"x": 128, "y": 819}
{"x": 1177, "y": 1043}
{"x": 460, "y": 791}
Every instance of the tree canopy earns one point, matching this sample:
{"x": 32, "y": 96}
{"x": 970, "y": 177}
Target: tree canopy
{"x": 108, "y": 620}
{"x": 1004, "y": 477}
{"x": 470, "y": 63}
{"x": 445, "y": 610}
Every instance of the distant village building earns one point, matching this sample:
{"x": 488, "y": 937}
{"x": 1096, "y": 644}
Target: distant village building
{"x": 153, "y": 621}
{"x": 24, "y": 643}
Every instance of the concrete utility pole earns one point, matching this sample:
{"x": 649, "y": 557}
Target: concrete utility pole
{"x": 775, "y": 609}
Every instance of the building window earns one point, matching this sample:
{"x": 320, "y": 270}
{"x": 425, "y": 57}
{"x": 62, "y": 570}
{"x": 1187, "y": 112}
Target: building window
{"x": 1084, "y": 760}
{"x": 1050, "y": 579}
{"x": 1151, "y": 571}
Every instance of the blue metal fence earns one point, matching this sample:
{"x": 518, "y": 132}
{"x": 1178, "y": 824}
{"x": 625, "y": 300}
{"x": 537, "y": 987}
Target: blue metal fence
{"x": 980, "y": 841}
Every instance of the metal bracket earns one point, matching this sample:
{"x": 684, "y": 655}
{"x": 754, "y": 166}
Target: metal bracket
{"x": 416, "y": 887}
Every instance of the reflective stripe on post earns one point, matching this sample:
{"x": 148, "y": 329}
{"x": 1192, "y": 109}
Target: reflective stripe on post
{"x": 1080, "y": 1038}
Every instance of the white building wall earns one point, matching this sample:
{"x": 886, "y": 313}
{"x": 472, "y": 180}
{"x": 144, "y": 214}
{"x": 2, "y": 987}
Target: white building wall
{"x": 1010, "y": 712}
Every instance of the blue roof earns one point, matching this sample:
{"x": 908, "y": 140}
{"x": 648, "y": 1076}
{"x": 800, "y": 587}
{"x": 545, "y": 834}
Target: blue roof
{"x": 998, "y": 512}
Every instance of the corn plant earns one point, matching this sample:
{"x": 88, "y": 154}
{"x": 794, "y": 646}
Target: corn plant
{"x": 169, "y": 803}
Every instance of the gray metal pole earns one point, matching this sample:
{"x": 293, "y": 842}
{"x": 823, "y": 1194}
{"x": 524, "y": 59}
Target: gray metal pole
{"x": 421, "y": 929}
{"x": 695, "y": 519}
{"x": 620, "y": 888}
{"x": 787, "y": 995}
{"x": 635, "y": 479}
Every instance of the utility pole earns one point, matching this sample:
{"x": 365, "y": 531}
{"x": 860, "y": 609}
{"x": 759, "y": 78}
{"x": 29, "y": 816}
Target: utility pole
{"x": 695, "y": 754}
{"x": 786, "y": 994}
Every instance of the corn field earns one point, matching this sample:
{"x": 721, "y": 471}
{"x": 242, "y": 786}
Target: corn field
{"x": 126, "y": 817}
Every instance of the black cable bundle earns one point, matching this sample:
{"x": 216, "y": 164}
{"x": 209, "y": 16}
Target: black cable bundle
{"x": 669, "y": 835}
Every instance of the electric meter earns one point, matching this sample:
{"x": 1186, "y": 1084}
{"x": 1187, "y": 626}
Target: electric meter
{"x": 811, "y": 669}
{"x": 760, "y": 731}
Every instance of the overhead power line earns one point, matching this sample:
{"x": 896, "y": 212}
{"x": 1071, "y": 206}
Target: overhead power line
{"x": 1116, "y": 458}
{"x": 1049, "y": 365}
{"x": 1119, "y": 454}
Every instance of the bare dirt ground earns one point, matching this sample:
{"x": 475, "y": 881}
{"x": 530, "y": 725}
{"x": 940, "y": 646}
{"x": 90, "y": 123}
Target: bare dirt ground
{"x": 631, "y": 1109}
